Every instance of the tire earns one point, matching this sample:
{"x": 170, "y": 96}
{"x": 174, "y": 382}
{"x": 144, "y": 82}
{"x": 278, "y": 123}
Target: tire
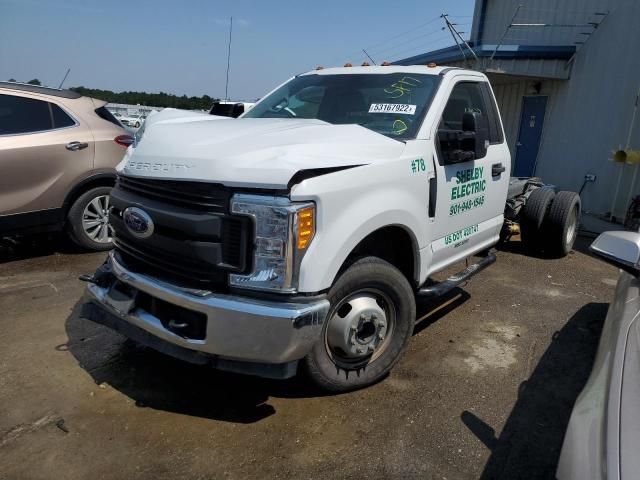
{"x": 532, "y": 217}
{"x": 561, "y": 223}
{"x": 88, "y": 207}
{"x": 371, "y": 292}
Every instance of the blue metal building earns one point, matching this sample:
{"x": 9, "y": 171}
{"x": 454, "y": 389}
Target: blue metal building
{"x": 566, "y": 75}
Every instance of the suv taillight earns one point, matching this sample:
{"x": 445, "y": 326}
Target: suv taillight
{"x": 124, "y": 140}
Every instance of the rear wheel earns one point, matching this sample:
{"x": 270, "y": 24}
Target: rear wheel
{"x": 533, "y": 215}
{"x": 561, "y": 223}
{"x": 367, "y": 329}
{"x": 88, "y": 220}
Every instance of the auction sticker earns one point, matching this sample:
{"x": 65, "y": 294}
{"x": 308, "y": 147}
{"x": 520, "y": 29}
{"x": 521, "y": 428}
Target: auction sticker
{"x": 392, "y": 108}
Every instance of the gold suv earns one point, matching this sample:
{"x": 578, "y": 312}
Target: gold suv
{"x": 58, "y": 151}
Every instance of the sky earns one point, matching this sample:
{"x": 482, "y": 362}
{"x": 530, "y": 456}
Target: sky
{"x": 180, "y": 47}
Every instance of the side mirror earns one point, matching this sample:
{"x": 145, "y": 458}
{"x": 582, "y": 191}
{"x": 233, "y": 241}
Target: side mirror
{"x": 470, "y": 143}
{"x": 477, "y": 123}
{"x": 621, "y": 249}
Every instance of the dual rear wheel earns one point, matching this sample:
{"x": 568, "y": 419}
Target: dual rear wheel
{"x": 549, "y": 221}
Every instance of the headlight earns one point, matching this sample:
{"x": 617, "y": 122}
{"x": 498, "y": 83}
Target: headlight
{"x": 284, "y": 231}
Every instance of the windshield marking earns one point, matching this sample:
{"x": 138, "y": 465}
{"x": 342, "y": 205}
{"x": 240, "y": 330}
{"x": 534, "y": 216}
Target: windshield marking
{"x": 399, "y": 88}
{"x": 399, "y": 127}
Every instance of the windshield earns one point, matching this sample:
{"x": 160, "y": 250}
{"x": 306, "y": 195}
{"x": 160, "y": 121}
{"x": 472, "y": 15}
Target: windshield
{"x": 392, "y": 104}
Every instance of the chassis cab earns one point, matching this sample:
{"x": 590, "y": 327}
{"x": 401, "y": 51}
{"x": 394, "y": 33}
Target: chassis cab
{"x": 297, "y": 235}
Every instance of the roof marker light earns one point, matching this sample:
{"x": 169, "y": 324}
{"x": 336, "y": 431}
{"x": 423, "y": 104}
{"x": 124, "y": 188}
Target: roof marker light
{"x": 431, "y": 64}
{"x": 366, "y": 64}
{"x": 319, "y": 67}
{"x": 385, "y": 64}
{"x": 348, "y": 65}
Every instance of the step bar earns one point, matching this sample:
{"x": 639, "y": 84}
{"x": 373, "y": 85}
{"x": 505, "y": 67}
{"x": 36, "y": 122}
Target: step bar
{"x": 441, "y": 288}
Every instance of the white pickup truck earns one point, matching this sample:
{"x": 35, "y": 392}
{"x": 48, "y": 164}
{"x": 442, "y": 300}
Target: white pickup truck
{"x": 298, "y": 235}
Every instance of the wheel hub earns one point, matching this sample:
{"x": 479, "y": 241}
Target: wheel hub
{"x": 95, "y": 220}
{"x": 357, "y": 327}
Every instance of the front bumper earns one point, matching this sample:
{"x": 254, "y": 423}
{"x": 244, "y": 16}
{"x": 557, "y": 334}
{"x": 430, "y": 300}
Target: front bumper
{"x": 242, "y": 334}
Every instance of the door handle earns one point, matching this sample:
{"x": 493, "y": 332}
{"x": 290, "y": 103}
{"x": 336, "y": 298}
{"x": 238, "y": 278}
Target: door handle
{"x": 74, "y": 146}
{"x": 497, "y": 169}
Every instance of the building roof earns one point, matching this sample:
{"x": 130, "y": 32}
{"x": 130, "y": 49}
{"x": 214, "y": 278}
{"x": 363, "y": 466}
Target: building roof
{"x": 26, "y": 87}
{"x": 453, "y": 54}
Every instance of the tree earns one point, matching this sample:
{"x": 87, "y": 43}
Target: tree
{"x": 161, "y": 99}
{"x": 35, "y": 81}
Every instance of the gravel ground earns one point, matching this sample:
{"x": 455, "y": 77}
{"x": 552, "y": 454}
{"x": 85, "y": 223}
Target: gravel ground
{"x": 484, "y": 391}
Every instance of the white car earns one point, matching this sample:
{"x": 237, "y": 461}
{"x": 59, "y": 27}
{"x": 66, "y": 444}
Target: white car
{"x": 134, "y": 121}
{"x": 601, "y": 441}
{"x": 300, "y": 233}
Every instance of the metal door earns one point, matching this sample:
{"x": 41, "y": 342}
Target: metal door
{"x": 531, "y": 123}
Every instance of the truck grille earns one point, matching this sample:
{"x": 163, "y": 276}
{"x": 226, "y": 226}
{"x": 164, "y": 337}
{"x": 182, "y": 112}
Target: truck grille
{"x": 195, "y": 241}
{"x": 201, "y": 196}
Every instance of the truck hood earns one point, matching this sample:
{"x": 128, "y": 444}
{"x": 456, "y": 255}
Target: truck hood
{"x": 251, "y": 152}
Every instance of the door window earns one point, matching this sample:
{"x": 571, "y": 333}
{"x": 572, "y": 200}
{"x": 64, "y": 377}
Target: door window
{"x": 463, "y": 132}
{"x": 495, "y": 128}
{"x": 23, "y": 115}
{"x": 60, "y": 117}
{"x": 465, "y": 97}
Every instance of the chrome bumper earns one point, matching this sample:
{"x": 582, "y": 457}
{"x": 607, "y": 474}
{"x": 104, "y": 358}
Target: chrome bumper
{"x": 237, "y": 328}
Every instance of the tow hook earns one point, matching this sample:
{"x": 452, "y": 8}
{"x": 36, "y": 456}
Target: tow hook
{"x": 102, "y": 277}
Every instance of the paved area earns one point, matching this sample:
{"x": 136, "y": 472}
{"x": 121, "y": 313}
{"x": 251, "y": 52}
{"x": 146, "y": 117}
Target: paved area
{"x": 484, "y": 391}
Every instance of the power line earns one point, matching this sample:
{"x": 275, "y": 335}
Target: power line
{"x": 433, "y": 20}
{"x": 420, "y": 48}
{"x": 375, "y": 48}
{"x": 393, "y": 47}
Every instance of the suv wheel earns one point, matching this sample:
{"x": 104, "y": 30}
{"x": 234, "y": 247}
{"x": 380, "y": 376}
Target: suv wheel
{"x": 88, "y": 220}
{"x": 367, "y": 328}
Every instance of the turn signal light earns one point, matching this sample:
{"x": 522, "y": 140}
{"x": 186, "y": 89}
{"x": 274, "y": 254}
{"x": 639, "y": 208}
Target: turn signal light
{"x": 306, "y": 227}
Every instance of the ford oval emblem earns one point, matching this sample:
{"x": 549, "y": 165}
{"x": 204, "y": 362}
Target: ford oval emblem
{"x": 138, "y": 222}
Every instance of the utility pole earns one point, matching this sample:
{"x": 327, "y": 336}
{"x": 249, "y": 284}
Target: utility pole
{"x": 448, "y": 25}
{"x": 454, "y": 33}
{"x": 226, "y": 86}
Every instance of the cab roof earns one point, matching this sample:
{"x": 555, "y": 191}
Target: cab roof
{"x": 373, "y": 69}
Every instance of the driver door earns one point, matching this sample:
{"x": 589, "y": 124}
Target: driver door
{"x": 472, "y": 179}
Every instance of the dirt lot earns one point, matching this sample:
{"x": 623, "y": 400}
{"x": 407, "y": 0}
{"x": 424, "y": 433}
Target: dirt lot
{"x": 484, "y": 391}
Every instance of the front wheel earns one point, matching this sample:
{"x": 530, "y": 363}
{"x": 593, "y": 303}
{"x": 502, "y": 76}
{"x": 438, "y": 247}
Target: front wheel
{"x": 367, "y": 328}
